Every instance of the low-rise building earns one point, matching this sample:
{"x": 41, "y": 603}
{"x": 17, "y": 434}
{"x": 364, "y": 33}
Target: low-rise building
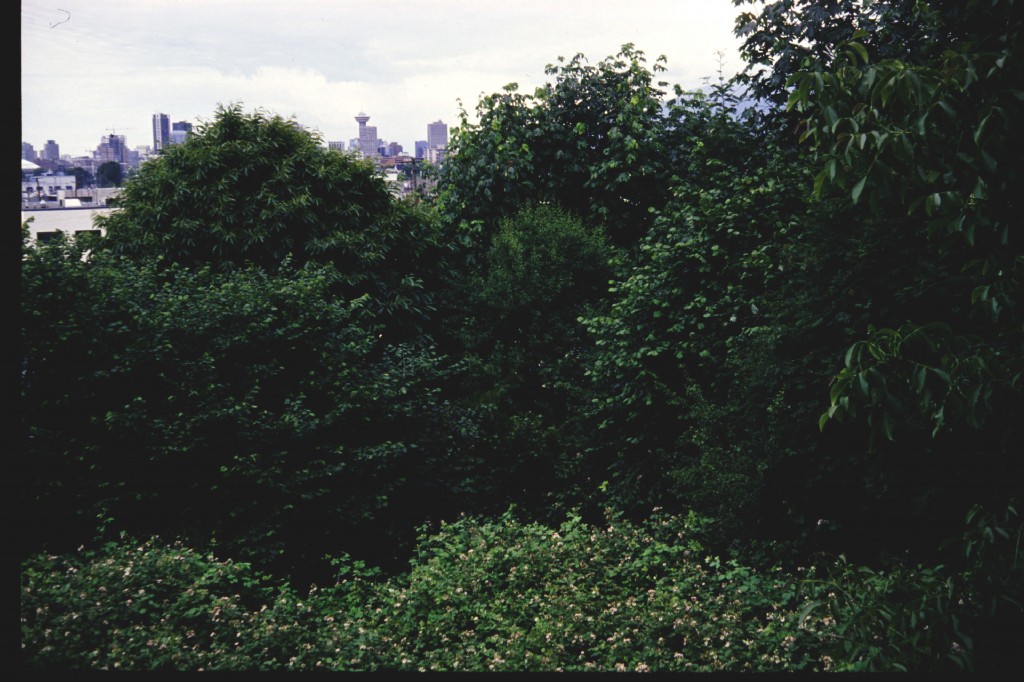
{"x": 46, "y": 223}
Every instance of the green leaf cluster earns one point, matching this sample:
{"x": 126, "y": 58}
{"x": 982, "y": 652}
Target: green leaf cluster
{"x": 590, "y": 141}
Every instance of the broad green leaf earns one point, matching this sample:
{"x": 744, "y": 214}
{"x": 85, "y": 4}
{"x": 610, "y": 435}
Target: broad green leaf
{"x": 858, "y": 189}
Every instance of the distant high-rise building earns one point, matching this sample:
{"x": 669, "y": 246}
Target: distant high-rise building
{"x": 437, "y": 135}
{"x": 180, "y": 131}
{"x": 337, "y": 145}
{"x": 161, "y": 132}
{"x": 421, "y": 148}
{"x": 51, "y": 151}
{"x": 368, "y": 141}
{"x": 394, "y": 149}
{"x": 435, "y": 155}
{"x": 112, "y": 148}
{"x": 143, "y": 153}
{"x": 28, "y": 152}
{"x": 86, "y": 162}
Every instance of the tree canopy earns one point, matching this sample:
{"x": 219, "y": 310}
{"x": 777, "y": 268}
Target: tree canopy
{"x": 590, "y": 140}
{"x": 109, "y": 174}
{"x": 256, "y": 189}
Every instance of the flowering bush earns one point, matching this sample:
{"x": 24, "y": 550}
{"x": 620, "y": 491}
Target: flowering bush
{"x": 484, "y": 595}
{"x": 510, "y": 596}
{"x": 149, "y": 606}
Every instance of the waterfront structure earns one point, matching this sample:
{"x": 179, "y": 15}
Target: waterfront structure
{"x": 161, "y": 132}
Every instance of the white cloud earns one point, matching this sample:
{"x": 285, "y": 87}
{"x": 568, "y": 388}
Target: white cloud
{"x": 404, "y": 62}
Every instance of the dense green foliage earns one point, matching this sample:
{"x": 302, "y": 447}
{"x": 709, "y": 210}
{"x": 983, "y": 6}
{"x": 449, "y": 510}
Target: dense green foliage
{"x": 517, "y": 325}
{"x": 254, "y": 189}
{"x": 743, "y": 364}
{"x": 930, "y": 144}
{"x": 486, "y": 596}
{"x": 591, "y": 142}
{"x": 200, "y": 395}
{"x": 694, "y": 321}
{"x": 83, "y": 178}
{"x": 504, "y": 595}
{"x": 109, "y": 174}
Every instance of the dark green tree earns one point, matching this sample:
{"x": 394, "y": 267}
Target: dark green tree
{"x": 934, "y": 145}
{"x": 255, "y": 409}
{"x": 588, "y": 140}
{"x": 255, "y": 189}
{"x": 83, "y": 178}
{"x": 544, "y": 270}
{"x": 109, "y": 174}
{"x": 518, "y": 325}
{"x": 253, "y": 336}
{"x": 685, "y": 395}
{"x": 786, "y": 36}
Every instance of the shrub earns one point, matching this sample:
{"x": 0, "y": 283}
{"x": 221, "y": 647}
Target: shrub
{"x": 149, "y": 606}
{"x": 482, "y": 595}
{"x": 510, "y": 596}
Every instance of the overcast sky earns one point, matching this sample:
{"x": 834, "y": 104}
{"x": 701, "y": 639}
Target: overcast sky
{"x": 89, "y": 66}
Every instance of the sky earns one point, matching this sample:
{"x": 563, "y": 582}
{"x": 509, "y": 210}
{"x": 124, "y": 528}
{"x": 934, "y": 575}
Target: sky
{"x": 94, "y": 67}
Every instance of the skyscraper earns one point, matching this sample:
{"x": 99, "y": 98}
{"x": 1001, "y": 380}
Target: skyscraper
{"x": 112, "y": 148}
{"x": 180, "y": 131}
{"x": 51, "y": 151}
{"x": 437, "y": 135}
{"x": 368, "y": 142}
{"x": 161, "y": 132}
{"x": 28, "y": 152}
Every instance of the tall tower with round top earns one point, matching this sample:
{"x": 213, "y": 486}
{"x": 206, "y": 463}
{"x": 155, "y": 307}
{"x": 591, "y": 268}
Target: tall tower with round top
{"x": 367, "y": 136}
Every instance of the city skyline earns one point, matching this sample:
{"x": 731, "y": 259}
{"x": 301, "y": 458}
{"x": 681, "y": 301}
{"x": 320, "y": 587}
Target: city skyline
{"x": 97, "y": 66}
{"x": 166, "y": 133}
